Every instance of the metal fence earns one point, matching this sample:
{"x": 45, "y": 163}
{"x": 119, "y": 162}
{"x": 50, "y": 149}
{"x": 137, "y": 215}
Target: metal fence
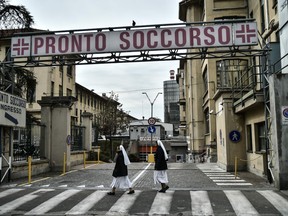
{"x": 77, "y": 137}
{"x": 26, "y": 142}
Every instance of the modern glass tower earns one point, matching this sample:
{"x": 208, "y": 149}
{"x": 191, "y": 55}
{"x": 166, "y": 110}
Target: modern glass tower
{"x": 171, "y": 100}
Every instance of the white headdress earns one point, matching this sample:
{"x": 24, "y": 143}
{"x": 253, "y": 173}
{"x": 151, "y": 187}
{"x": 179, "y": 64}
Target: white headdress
{"x": 162, "y": 146}
{"x": 126, "y": 158}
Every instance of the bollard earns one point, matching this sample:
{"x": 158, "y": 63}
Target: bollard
{"x": 84, "y": 159}
{"x": 98, "y": 154}
{"x": 64, "y": 164}
{"x": 235, "y": 167}
{"x": 29, "y": 169}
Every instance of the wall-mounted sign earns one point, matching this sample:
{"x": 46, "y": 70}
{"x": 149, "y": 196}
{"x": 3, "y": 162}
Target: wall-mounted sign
{"x": 284, "y": 115}
{"x": 148, "y": 138}
{"x": 12, "y": 110}
{"x": 234, "y": 136}
{"x": 206, "y": 35}
{"x": 68, "y": 139}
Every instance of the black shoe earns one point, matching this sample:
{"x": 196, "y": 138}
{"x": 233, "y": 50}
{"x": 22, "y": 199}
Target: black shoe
{"x": 131, "y": 192}
{"x": 162, "y": 191}
{"x": 111, "y": 193}
{"x": 167, "y": 187}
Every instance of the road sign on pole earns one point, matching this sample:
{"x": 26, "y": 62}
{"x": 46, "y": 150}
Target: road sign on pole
{"x": 151, "y": 121}
{"x": 151, "y": 129}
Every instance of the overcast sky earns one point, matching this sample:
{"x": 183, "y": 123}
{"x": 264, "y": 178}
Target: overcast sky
{"x": 128, "y": 80}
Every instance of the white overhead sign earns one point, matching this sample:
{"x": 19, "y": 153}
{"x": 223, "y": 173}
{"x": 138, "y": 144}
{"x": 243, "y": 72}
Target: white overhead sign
{"x": 12, "y": 110}
{"x": 148, "y": 138}
{"x": 234, "y": 34}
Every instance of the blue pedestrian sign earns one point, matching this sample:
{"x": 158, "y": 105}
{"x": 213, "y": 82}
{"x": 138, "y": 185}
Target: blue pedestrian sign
{"x": 234, "y": 136}
{"x": 151, "y": 129}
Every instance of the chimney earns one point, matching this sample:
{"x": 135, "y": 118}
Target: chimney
{"x": 172, "y": 74}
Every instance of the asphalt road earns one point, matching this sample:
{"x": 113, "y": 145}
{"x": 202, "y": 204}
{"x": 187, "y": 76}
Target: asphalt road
{"x": 195, "y": 189}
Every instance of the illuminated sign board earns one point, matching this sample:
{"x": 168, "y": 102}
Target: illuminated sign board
{"x": 236, "y": 34}
{"x": 12, "y": 110}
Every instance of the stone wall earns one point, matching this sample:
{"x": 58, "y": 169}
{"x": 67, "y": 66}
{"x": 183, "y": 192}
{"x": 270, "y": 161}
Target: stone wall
{"x": 20, "y": 169}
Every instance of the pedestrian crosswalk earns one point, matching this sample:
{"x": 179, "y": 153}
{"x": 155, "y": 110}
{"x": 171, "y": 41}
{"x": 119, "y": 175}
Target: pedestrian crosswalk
{"x": 49, "y": 201}
{"x": 221, "y": 177}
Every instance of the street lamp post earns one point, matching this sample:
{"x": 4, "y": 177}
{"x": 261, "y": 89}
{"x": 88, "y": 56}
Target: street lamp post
{"x": 151, "y": 103}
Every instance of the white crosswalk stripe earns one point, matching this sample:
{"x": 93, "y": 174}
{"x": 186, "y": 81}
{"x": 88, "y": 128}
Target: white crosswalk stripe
{"x": 18, "y": 202}
{"x": 123, "y": 204}
{"x": 240, "y": 203}
{"x": 228, "y": 180}
{"x": 161, "y": 204}
{"x": 97, "y": 202}
{"x": 10, "y": 191}
{"x": 279, "y": 202}
{"x": 200, "y": 203}
{"x": 51, "y": 203}
{"x": 234, "y": 184}
{"x": 86, "y": 204}
{"x": 221, "y": 177}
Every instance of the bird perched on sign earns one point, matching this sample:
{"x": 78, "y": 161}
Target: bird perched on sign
{"x": 133, "y": 23}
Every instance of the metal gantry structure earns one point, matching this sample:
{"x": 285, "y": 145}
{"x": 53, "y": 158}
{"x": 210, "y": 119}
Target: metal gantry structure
{"x": 152, "y": 56}
{"x": 134, "y": 56}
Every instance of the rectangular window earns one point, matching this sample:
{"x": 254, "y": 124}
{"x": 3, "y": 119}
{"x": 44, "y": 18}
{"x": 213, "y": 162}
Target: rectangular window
{"x": 262, "y": 14}
{"x": 205, "y": 80}
{"x": 249, "y": 138}
{"x": 260, "y": 136}
{"x": 207, "y": 121}
{"x": 222, "y": 4}
{"x": 52, "y": 88}
{"x": 69, "y": 70}
{"x": 232, "y": 73}
{"x": 60, "y": 90}
{"x": 7, "y": 54}
{"x": 69, "y": 92}
{"x": 31, "y": 95}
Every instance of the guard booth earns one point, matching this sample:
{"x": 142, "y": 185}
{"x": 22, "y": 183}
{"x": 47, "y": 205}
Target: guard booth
{"x": 12, "y": 114}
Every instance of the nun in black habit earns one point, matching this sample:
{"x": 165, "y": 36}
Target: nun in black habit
{"x": 160, "y": 172}
{"x": 120, "y": 172}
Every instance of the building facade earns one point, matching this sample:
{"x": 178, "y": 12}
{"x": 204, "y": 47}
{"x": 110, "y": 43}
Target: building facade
{"x": 143, "y": 137}
{"x": 226, "y": 99}
{"x": 56, "y": 83}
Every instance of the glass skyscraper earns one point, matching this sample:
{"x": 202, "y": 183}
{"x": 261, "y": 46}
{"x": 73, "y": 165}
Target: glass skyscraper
{"x": 171, "y": 103}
